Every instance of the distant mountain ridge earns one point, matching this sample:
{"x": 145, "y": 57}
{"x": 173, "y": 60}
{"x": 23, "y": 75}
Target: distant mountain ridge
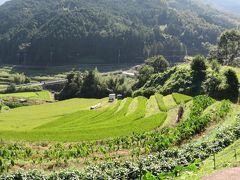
{"x": 230, "y": 6}
{"x": 60, "y": 32}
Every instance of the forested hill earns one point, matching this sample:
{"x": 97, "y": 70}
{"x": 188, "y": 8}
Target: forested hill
{"x": 57, "y": 32}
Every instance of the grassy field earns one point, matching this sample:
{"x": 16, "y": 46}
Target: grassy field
{"x": 41, "y": 95}
{"x": 72, "y": 120}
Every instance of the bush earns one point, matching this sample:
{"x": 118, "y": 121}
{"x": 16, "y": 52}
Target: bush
{"x": 10, "y": 89}
{"x": 20, "y": 79}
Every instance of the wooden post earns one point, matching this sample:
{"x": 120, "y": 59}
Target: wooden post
{"x": 235, "y": 154}
{"x": 140, "y": 169}
{"x": 214, "y": 161}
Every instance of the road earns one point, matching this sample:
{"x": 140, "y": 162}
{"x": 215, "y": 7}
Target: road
{"x": 45, "y": 83}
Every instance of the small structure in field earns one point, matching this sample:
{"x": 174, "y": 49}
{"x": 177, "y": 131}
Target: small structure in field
{"x": 112, "y": 97}
{"x": 22, "y": 100}
{"x": 119, "y": 96}
{"x": 97, "y": 106}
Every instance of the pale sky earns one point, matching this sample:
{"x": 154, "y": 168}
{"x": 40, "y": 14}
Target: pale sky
{"x": 2, "y": 1}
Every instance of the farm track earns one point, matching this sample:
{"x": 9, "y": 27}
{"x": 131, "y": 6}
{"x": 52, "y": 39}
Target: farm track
{"x": 230, "y": 173}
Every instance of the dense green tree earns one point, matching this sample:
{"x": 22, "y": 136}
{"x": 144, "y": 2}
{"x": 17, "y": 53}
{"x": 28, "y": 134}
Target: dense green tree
{"x": 228, "y": 50}
{"x": 232, "y": 85}
{"x": 198, "y": 66}
{"x": 159, "y": 63}
{"x": 212, "y": 85}
{"x": 91, "y": 84}
{"x": 144, "y": 73}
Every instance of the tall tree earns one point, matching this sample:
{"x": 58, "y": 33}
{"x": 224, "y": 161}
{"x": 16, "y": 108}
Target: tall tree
{"x": 198, "y": 66}
{"x": 158, "y": 63}
{"x": 232, "y": 85}
{"x": 228, "y": 51}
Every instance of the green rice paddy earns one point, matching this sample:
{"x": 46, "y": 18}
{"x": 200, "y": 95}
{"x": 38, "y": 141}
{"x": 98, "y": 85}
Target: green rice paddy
{"x": 72, "y": 120}
{"x": 41, "y": 95}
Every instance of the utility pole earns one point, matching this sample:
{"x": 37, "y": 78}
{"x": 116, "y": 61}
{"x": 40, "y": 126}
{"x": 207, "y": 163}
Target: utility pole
{"x": 51, "y": 57}
{"x": 61, "y": 6}
{"x": 119, "y": 56}
{"x": 186, "y": 51}
{"x": 25, "y": 58}
{"x": 18, "y": 58}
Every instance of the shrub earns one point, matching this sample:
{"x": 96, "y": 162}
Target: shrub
{"x": 11, "y": 89}
{"x": 20, "y": 79}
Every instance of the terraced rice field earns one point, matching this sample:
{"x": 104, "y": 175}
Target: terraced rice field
{"x": 41, "y": 95}
{"x": 72, "y": 120}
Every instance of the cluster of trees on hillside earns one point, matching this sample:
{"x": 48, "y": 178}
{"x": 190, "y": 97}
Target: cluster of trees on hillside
{"x": 202, "y": 77}
{"x": 153, "y": 65}
{"x": 72, "y": 31}
{"x": 91, "y": 84}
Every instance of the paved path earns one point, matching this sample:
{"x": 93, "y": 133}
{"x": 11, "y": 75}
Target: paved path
{"x": 226, "y": 174}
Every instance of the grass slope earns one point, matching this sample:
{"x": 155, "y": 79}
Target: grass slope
{"x": 122, "y": 118}
{"x": 41, "y": 95}
{"x": 27, "y": 118}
